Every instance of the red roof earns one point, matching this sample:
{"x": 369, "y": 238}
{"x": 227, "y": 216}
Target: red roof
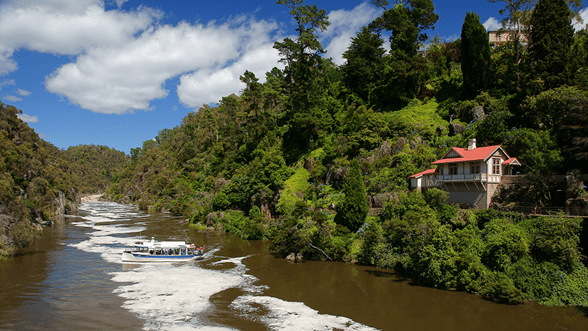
{"x": 476, "y": 154}
{"x": 512, "y": 160}
{"x": 426, "y": 172}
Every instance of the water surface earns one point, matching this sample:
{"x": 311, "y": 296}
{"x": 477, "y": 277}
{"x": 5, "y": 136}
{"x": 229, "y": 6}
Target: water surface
{"x": 72, "y": 279}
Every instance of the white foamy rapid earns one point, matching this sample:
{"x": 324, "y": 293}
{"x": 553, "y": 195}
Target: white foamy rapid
{"x": 295, "y": 316}
{"x": 176, "y": 297}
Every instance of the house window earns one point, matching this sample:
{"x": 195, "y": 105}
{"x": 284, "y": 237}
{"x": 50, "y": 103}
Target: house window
{"x": 453, "y": 168}
{"x": 496, "y": 166}
{"x": 474, "y": 168}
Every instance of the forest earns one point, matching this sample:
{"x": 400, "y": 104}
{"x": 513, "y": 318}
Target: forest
{"x": 40, "y": 182}
{"x": 317, "y": 158}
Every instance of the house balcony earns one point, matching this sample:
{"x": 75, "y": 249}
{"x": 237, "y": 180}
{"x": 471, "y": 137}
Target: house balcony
{"x": 479, "y": 177}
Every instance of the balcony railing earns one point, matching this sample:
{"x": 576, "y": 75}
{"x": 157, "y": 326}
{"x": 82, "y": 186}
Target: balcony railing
{"x": 479, "y": 177}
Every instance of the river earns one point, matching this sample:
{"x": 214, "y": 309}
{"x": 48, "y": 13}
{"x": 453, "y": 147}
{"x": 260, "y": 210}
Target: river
{"x": 72, "y": 279}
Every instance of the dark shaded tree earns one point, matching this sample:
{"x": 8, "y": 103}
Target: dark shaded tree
{"x": 364, "y": 56}
{"x": 305, "y": 78}
{"x": 551, "y": 39}
{"x": 353, "y": 210}
{"x": 406, "y": 23}
{"x": 475, "y": 55}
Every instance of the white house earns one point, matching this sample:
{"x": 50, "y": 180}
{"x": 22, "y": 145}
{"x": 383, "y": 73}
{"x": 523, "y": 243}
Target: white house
{"x": 470, "y": 175}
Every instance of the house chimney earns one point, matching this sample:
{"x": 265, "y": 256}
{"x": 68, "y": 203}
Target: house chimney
{"x": 471, "y": 144}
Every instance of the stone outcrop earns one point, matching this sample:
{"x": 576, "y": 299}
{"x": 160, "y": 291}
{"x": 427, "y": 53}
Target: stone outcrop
{"x": 212, "y": 216}
{"x": 294, "y": 257}
{"x": 478, "y": 113}
{"x": 219, "y": 183}
{"x": 455, "y": 129}
{"x": 577, "y": 207}
{"x": 574, "y": 183}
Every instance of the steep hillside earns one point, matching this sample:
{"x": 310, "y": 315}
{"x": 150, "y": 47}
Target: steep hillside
{"x": 39, "y": 182}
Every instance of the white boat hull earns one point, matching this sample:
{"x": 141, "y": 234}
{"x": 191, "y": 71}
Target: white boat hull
{"x": 132, "y": 257}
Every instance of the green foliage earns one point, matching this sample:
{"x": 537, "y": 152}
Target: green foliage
{"x": 353, "y": 209}
{"x": 501, "y": 288}
{"x": 506, "y": 243}
{"x": 406, "y": 22}
{"x": 551, "y": 38}
{"x": 556, "y": 239}
{"x": 361, "y": 128}
{"x": 298, "y": 182}
{"x": 364, "y": 56}
{"x": 220, "y": 201}
{"x": 475, "y": 55}
{"x": 537, "y": 150}
{"x": 253, "y": 226}
{"x": 571, "y": 289}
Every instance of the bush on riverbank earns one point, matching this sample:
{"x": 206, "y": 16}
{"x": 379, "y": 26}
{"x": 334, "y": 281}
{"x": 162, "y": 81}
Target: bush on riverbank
{"x": 501, "y": 256}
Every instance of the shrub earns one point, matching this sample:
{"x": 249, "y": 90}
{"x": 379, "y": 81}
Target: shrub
{"x": 571, "y": 289}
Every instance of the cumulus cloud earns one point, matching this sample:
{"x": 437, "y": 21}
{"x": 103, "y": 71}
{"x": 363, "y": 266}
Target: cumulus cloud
{"x": 28, "y": 118}
{"x": 208, "y": 86}
{"x": 492, "y": 24}
{"x": 12, "y": 98}
{"x": 123, "y": 59}
{"x": 344, "y": 25}
{"x": 582, "y": 25}
{"x": 123, "y": 78}
{"x": 22, "y": 92}
{"x": 67, "y": 26}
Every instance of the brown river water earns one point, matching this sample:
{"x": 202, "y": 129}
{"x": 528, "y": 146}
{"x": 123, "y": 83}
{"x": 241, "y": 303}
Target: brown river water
{"x": 72, "y": 279}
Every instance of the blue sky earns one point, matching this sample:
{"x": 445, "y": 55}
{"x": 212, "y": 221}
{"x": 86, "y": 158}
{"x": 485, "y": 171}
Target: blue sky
{"x": 116, "y": 72}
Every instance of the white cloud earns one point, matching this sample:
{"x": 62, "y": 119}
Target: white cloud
{"x": 492, "y": 24}
{"x": 208, "y": 86}
{"x": 12, "y": 98}
{"x": 22, "y": 92}
{"x": 7, "y": 83}
{"x": 119, "y": 3}
{"x": 65, "y": 27}
{"x": 344, "y": 25}
{"x": 123, "y": 59}
{"x": 28, "y": 118}
{"x": 121, "y": 78}
{"x": 582, "y": 25}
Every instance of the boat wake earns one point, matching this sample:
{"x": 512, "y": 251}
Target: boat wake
{"x": 178, "y": 296}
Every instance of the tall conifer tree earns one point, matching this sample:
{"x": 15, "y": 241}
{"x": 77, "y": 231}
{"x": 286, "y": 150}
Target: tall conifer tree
{"x": 475, "y": 55}
{"x": 551, "y": 38}
{"x": 354, "y": 208}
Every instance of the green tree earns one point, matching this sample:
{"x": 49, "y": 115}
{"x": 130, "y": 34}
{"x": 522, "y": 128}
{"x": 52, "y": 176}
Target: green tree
{"x": 551, "y": 39}
{"x": 406, "y": 22}
{"x": 580, "y": 57}
{"x": 354, "y": 207}
{"x": 475, "y": 55}
{"x": 305, "y": 78}
{"x": 364, "y": 56}
{"x": 516, "y": 15}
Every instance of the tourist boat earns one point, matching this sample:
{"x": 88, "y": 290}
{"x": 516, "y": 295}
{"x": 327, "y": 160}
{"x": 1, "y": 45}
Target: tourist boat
{"x": 162, "y": 251}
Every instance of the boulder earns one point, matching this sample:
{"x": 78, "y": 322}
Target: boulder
{"x": 210, "y": 218}
{"x": 439, "y": 130}
{"x": 455, "y": 129}
{"x": 574, "y": 183}
{"x": 577, "y": 207}
{"x": 385, "y": 149}
{"x": 478, "y": 113}
{"x": 219, "y": 183}
{"x": 400, "y": 143}
{"x": 294, "y": 257}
